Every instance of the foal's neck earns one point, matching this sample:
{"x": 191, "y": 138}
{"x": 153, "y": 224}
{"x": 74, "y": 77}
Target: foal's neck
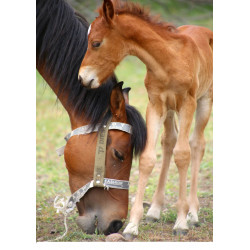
{"x": 153, "y": 45}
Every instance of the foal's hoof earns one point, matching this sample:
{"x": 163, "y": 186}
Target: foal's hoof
{"x": 129, "y": 237}
{"x": 194, "y": 224}
{"x": 192, "y": 219}
{"x": 180, "y": 232}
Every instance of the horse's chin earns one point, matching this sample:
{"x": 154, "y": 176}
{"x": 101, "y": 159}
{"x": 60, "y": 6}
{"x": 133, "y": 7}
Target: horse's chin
{"x": 87, "y": 223}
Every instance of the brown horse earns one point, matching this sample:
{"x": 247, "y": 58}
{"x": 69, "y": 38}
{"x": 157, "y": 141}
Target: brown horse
{"x": 61, "y": 45}
{"x": 179, "y": 79}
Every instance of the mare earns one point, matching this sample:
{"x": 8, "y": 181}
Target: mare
{"x": 179, "y": 63}
{"x": 61, "y": 38}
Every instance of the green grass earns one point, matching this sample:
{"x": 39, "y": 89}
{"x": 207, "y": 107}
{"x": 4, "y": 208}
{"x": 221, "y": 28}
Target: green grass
{"x": 52, "y": 177}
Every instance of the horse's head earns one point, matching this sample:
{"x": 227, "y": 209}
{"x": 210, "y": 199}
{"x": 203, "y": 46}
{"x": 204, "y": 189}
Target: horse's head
{"x": 105, "y": 48}
{"x": 102, "y": 209}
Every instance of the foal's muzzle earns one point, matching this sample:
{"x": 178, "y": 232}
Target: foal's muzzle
{"x": 88, "y": 85}
{"x": 88, "y": 77}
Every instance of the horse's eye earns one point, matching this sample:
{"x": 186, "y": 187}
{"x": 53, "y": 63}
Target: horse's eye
{"x": 96, "y": 44}
{"x": 118, "y": 155}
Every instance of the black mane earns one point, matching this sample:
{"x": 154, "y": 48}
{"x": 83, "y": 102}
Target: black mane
{"x": 61, "y": 43}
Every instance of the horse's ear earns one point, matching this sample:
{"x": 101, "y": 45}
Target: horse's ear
{"x": 125, "y": 94}
{"x": 117, "y": 103}
{"x": 108, "y": 10}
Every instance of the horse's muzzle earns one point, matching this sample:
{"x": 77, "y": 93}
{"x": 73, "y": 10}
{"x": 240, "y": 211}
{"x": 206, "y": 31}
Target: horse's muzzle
{"x": 91, "y": 224}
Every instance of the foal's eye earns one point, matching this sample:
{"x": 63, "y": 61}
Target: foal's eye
{"x": 118, "y": 155}
{"x": 96, "y": 44}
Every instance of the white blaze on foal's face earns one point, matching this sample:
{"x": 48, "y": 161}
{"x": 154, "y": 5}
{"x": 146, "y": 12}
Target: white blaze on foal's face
{"x": 89, "y": 29}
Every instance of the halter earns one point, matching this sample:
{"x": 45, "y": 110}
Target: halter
{"x": 99, "y": 169}
{"x": 99, "y": 180}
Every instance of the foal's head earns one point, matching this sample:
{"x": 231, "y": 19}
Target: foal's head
{"x": 105, "y": 48}
{"x": 122, "y": 28}
{"x": 102, "y": 209}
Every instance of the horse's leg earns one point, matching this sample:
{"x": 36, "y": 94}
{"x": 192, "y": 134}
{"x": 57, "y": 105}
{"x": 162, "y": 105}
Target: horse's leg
{"x": 147, "y": 161}
{"x": 168, "y": 142}
{"x": 197, "y": 144}
{"x": 182, "y": 155}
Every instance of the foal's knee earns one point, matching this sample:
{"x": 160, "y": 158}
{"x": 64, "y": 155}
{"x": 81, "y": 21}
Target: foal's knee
{"x": 182, "y": 156}
{"x": 168, "y": 142}
{"x": 147, "y": 162}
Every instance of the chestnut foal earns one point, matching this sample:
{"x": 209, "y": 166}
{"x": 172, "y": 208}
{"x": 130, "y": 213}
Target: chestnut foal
{"x": 179, "y": 79}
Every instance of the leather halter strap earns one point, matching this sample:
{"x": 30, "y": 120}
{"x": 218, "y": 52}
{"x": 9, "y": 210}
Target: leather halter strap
{"x": 87, "y": 130}
{"x": 100, "y": 155}
{"x": 76, "y": 196}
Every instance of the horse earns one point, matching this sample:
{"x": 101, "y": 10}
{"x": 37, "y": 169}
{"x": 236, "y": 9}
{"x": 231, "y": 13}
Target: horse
{"x": 61, "y": 43}
{"x": 179, "y": 79}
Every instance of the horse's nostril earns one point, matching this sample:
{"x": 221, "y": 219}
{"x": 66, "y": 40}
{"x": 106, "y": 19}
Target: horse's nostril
{"x": 114, "y": 227}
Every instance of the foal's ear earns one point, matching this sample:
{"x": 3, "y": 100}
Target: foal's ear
{"x": 117, "y": 103}
{"x": 125, "y": 94}
{"x": 108, "y": 10}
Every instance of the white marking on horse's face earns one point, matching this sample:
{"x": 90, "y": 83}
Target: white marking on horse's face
{"x": 88, "y": 77}
{"x": 89, "y": 29}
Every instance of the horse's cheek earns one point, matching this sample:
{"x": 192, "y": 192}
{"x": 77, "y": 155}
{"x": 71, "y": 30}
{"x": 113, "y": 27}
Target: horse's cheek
{"x": 78, "y": 159}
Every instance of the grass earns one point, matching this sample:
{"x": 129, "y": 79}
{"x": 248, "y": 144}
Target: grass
{"x": 52, "y": 177}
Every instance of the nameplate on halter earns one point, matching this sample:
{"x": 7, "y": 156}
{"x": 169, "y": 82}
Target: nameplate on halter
{"x": 113, "y": 183}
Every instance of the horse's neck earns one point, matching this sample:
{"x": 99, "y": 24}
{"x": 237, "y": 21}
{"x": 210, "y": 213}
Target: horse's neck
{"x": 75, "y": 120}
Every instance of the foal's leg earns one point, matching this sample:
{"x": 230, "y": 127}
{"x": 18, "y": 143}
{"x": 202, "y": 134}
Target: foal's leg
{"x": 197, "y": 144}
{"x": 182, "y": 157}
{"x": 168, "y": 142}
{"x": 147, "y": 161}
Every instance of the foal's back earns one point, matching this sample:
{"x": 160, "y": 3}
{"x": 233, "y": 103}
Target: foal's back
{"x": 203, "y": 38}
